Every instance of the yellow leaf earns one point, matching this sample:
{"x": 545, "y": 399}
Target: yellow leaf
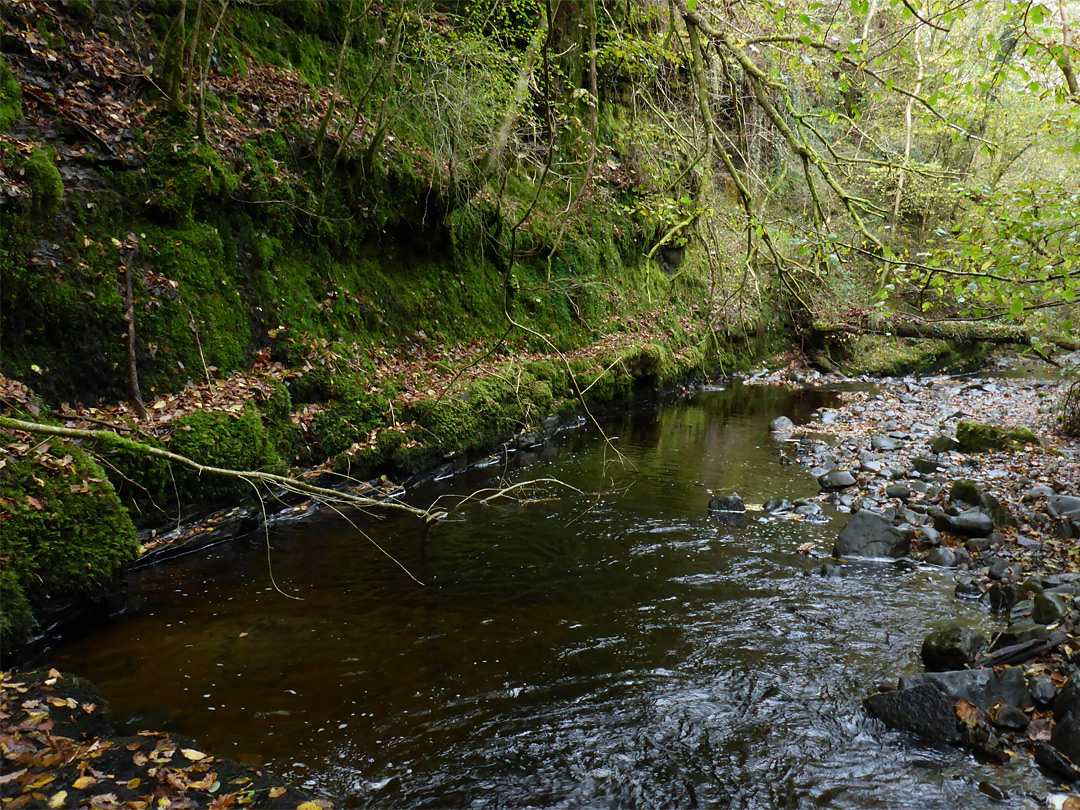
{"x": 157, "y": 406}
{"x": 192, "y": 754}
{"x": 242, "y": 635}
{"x": 83, "y": 782}
{"x": 308, "y": 806}
{"x": 58, "y": 800}
{"x": 276, "y": 793}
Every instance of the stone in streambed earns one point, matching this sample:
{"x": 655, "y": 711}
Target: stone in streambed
{"x": 980, "y": 687}
{"x": 1049, "y": 607}
{"x": 1066, "y": 736}
{"x": 1064, "y": 506}
{"x": 868, "y": 534}
{"x": 943, "y": 444}
{"x": 924, "y": 710}
{"x": 727, "y": 503}
{"x": 884, "y": 443}
{"x": 781, "y": 424}
{"x": 945, "y": 557}
{"x": 971, "y": 493}
{"x": 972, "y": 523}
{"x": 953, "y": 647}
{"x": 836, "y": 479}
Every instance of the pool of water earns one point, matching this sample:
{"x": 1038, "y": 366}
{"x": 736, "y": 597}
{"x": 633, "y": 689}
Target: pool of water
{"x": 615, "y": 648}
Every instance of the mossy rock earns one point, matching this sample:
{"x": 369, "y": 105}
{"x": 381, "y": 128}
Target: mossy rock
{"x": 10, "y": 98}
{"x": 65, "y": 536}
{"x": 978, "y": 437}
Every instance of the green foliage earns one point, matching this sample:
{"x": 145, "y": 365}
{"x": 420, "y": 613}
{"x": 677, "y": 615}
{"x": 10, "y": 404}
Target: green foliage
{"x": 65, "y": 535}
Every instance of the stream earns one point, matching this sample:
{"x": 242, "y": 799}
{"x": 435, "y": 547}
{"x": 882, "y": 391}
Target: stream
{"x": 615, "y": 650}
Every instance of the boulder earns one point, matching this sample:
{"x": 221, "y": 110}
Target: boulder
{"x": 1009, "y": 717}
{"x": 781, "y": 424}
{"x": 1051, "y": 760}
{"x": 924, "y": 710}
{"x": 898, "y": 491}
{"x": 778, "y": 505}
{"x": 1064, "y": 506}
{"x": 727, "y": 503}
{"x": 884, "y": 443}
{"x": 971, "y": 523}
{"x": 978, "y": 437}
{"x": 1049, "y": 607}
{"x": 980, "y": 687}
{"x": 952, "y": 647}
{"x": 836, "y": 479}
{"x": 1066, "y": 736}
{"x": 945, "y": 557}
{"x": 868, "y": 534}
{"x": 974, "y": 495}
{"x": 943, "y": 444}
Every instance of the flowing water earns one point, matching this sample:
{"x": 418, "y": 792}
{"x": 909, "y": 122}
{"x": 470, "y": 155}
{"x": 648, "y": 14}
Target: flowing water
{"x": 613, "y": 650}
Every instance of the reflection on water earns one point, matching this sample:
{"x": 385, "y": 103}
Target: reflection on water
{"x": 614, "y": 649}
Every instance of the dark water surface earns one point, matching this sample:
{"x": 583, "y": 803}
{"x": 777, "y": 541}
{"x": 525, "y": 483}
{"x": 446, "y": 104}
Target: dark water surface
{"x": 625, "y": 650}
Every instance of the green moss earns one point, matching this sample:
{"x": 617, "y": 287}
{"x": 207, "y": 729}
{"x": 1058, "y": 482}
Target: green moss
{"x": 10, "y": 98}
{"x": 46, "y": 185}
{"x": 65, "y": 534}
{"x": 885, "y": 356}
{"x": 155, "y": 488}
{"x": 978, "y": 437}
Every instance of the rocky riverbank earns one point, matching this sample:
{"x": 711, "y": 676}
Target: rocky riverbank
{"x": 971, "y": 475}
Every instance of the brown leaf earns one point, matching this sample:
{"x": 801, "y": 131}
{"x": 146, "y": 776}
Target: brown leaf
{"x": 277, "y": 792}
{"x": 34, "y": 502}
{"x": 967, "y": 712}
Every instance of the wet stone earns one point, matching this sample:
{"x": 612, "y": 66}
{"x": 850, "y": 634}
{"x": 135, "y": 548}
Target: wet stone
{"x": 1052, "y": 761}
{"x": 952, "y": 648}
{"x": 1042, "y": 690}
{"x": 1066, "y": 736}
{"x": 781, "y": 424}
{"x": 727, "y": 503}
{"x": 898, "y": 491}
{"x": 924, "y": 710}
{"x": 870, "y": 535}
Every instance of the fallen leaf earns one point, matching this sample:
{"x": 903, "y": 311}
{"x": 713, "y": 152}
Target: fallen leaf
{"x": 967, "y": 712}
{"x": 83, "y": 782}
{"x": 58, "y": 800}
{"x": 192, "y": 754}
{"x": 277, "y": 792}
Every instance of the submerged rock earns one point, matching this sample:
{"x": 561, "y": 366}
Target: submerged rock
{"x": 868, "y": 534}
{"x": 953, "y": 647}
{"x": 778, "y": 505}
